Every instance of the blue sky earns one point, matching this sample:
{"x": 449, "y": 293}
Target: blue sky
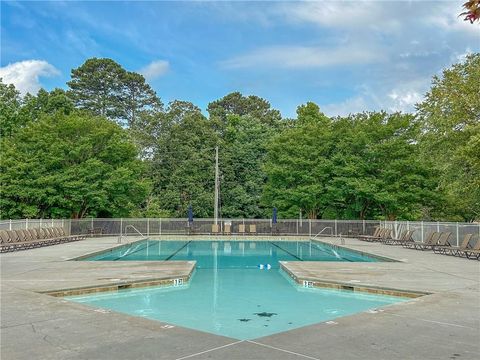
{"x": 347, "y": 56}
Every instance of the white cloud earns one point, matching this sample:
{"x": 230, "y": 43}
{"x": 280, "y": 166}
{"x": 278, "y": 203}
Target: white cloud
{"x": 351, "y": 105}
{"x": 25, "y": 75}
{"x": 302, "y": 57}
{"x": 463, "y": 56}
{"x": 404, "y": 101}
{"x": 155, "y": 69}
{"x": 342, "y": 14}
{"x": 391, "y": 97}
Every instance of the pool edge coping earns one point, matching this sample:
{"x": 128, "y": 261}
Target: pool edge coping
{"x": 122, "y": 285}
{"x": 311, "y": 282}
{"x": 363, "y": 253}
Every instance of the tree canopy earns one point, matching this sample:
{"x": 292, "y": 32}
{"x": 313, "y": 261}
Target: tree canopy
{"x": 104, "y": 88}
{"x": 450, "y": 116}
{"x": 107, "y": 146}
{"x": 70, "y": 166}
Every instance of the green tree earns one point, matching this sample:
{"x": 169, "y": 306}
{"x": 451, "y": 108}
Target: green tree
{"x": 242, "y": 155}
{"x": 46, "y": 102}
{"x": 365, "y": 165}
{"x": 450, "y": 116}
{"x": 70, "y": 166}
{"x": 378, "y": 170}
{"x": 96, "y": 86}
{"x": 244, "y": 125}
{"x": 11, "y": 117}
{"x": 183, "y": 161}
{"x": 104, "y": 88}
{"x": 236, "y": 104}
{"x": 298, "y": 165}
{"x": 138, "y": 99}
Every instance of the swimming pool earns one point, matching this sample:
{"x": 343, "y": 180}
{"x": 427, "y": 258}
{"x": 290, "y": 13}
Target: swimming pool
{"x": 233, "y": 291}
{"x": 230, "y": 254}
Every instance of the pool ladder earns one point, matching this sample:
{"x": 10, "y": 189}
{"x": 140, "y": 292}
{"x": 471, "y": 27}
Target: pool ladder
{"x": 321, "y": 231}
{"x": 342, "y": 240}
{"x": 125, "y": 233}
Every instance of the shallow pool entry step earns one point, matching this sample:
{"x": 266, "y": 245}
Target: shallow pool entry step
{"x": 238, "y": 289}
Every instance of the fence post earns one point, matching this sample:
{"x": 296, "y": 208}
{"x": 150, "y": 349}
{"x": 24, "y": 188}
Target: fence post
{"x": 40, "y": 222}
{"x": 148, "y": 227}
{"x": 438, "y": 226}
{"x": 335, "y": 227}
{"x": 10, "y": 225}
{"x": 421, "y": 230}
{"x": 363, "y": 226}
{"x": 160, "y": 226}
{"x": 309, "y": 228}
{"x": 121, "y": 226}
{"x": 457, "y": 233}
{"x": 26, "y": 224}
{"x": 52, "y": 222}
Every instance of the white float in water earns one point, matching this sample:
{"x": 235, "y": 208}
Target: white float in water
{"x": 264, "y": 266}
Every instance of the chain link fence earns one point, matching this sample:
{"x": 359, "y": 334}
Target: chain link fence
{"x": 153, "y": 227}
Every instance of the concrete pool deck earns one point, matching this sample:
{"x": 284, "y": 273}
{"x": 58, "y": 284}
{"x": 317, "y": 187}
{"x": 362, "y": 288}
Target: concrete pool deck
{"x": 443, "y": 325}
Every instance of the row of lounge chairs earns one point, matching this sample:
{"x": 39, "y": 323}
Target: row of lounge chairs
{"x": 13, "y": 240}
{"x": 439, "y": 242}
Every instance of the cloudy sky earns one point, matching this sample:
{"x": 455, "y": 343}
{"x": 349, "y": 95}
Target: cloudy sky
{"x": 347, "y": 56}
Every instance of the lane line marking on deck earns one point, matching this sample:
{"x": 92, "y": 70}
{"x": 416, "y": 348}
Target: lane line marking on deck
{"x": 207, "y": 351}
{"x": 283, "y": 350}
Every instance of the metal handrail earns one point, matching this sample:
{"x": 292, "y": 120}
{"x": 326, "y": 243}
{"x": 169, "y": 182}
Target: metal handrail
{"x": 321, "y": 231}
{"x": 125, "y": 233}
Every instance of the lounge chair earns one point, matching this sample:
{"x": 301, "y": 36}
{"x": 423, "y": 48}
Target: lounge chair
{"x": 33, "y": 233}
{"x": 443, "y": 242}
{"x": 12, "y": 240}
{"x": 432, "y": 238}
{"x": 453, "y": 250}
{"x": 407, "y": 237}
{"x": 227, "y": 229}
{"x": 385, "y": 235}
{"x": 215, "y": 228}
{"x": 61, "y": 232}
{"x": 12, "y": 236}
{"x": 437, "y": 241}
{"x": 474, "y": 252}
{"x": 252, "y": 229}
{"x": 241, "y": 229}
{"x": 375, "y": 234}
{"x": 20, "y": 235}
{"x": 4, "y": 238}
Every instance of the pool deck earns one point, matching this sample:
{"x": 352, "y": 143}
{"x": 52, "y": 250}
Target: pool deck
{"x": 442, "y": 325}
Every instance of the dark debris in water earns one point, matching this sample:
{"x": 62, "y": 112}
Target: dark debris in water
{"x": 244, "y": 320}
{"x": 265, "y": 314}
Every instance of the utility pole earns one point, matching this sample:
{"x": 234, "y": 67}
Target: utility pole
{"x": 217, "y": 187}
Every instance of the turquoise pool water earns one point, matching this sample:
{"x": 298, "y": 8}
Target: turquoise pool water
{"x": 231, "y": 254}
{"x": 229, "y": 294}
